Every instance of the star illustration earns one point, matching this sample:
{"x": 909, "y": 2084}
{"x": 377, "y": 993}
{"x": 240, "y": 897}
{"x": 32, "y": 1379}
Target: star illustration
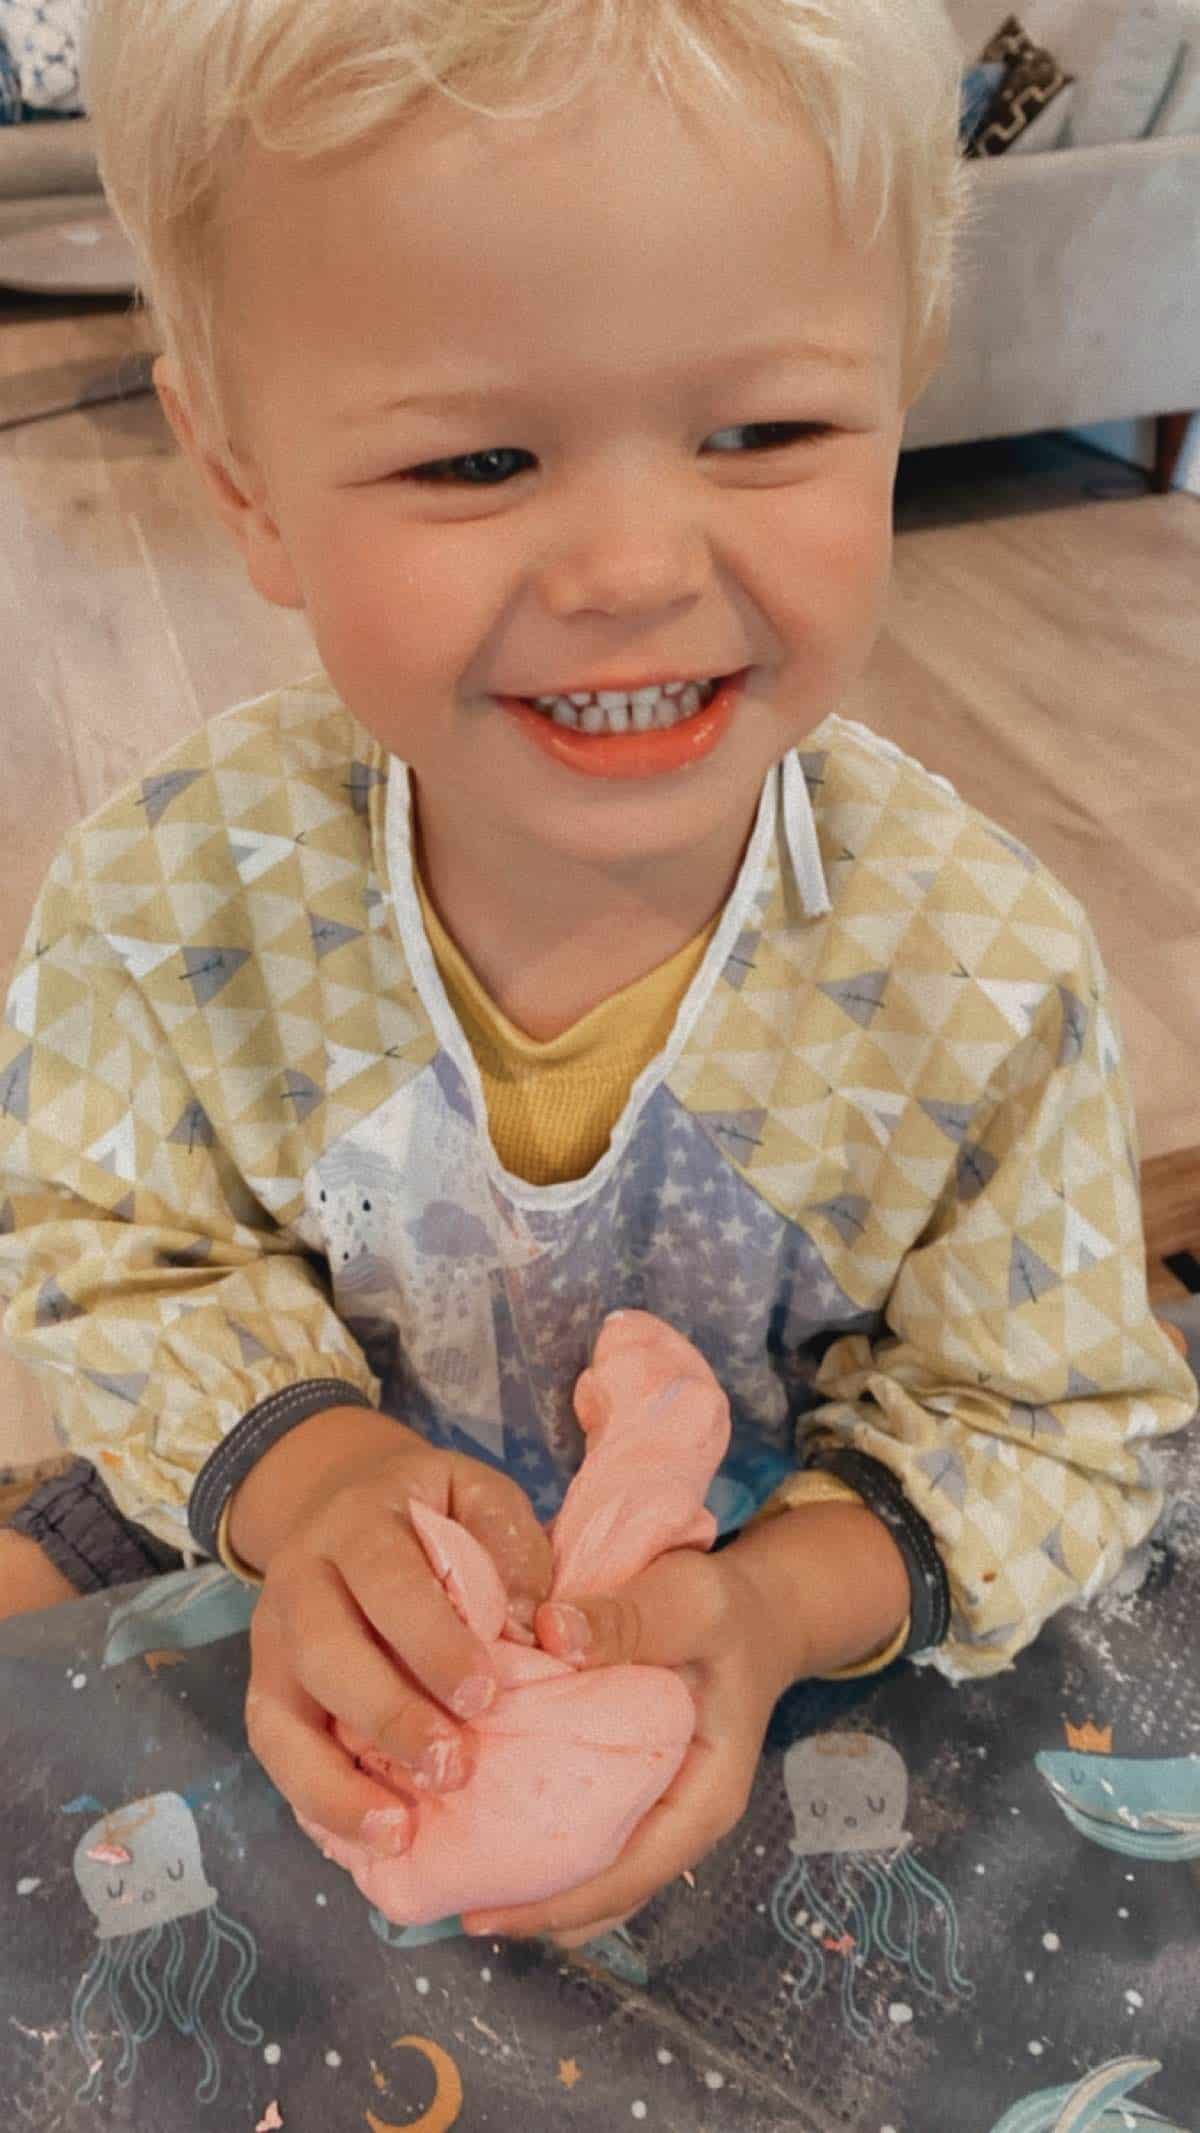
{"x": 568, "y": 2072}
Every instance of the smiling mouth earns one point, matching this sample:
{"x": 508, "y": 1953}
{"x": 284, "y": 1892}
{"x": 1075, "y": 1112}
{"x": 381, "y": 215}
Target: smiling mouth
{"x": 649, "y": 710}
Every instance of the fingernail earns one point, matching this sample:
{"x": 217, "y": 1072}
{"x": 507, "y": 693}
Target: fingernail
{"x": 518, "y": 1622}
{"x": 442, "y": 1764}
{"x": 387, "y": 1829}
{"x": 473, "y": 1696}
{"x": 571, "y": 1631}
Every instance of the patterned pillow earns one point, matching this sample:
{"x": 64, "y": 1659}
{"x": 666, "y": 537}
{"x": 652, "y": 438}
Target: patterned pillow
{"x": 10, "y": 87}
{"x": 41, "y": 38}
{"x": 979, "y": 86}
{"x": 1032, "y": 80}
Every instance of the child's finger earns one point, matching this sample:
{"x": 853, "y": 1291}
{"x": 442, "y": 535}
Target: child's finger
{"x": 390, "y": 1579}
{"x": 663, "y": 1617}
{"x": 337, "y": 1662}
{"x": 498, "y": 1513}
{"x": 289, "y": 1734}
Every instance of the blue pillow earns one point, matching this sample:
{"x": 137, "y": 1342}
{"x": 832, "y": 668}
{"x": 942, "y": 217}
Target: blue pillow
{"x": 10, "y": 87}
{"x": 979, "y": 86}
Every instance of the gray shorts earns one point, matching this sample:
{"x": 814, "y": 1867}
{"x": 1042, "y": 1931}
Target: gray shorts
{"x": 77, "y": 1525}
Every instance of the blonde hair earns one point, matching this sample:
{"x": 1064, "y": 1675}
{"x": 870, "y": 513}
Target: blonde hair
{"x": 175, "y": 91}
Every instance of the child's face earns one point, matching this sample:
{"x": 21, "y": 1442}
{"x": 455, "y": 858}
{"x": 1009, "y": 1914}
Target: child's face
{"x": 595, "y": 278}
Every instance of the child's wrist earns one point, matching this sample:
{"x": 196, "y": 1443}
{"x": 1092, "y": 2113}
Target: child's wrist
{"x": 274, "y": 1495}
{"x": 832, "y": 1585}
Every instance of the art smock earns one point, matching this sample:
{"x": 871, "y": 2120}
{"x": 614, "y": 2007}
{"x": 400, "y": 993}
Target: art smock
{"x": 881, "y": 1166}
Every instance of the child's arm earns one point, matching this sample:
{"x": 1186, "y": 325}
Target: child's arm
{"x": 146, "y": 1284}
{"x": 1023, "y": 1374}
{"x": 1011, "y": 1403}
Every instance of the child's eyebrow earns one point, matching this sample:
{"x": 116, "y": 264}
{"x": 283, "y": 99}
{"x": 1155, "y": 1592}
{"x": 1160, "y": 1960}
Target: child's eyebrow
{"x": 795, "y": 352}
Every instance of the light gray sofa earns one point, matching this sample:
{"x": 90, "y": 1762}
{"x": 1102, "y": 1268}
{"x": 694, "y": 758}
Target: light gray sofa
{"x": 1079, "y": 301}
{"x": 1080, "y": 296}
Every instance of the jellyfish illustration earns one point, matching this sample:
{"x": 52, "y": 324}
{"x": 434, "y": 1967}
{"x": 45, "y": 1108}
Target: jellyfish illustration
{"x": 848, "y": 1793}
{"x": 140, "y": 1871}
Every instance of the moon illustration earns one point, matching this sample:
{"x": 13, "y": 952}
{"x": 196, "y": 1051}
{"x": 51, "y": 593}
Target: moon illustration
{"x": 448, "y": 2100}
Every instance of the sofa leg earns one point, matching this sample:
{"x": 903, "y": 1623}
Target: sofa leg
{"x": 1169, "y": 433}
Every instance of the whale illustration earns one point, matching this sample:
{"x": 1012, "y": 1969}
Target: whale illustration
{"x": 1148, "y": 1809}
{"x": 1097, "y": 2104}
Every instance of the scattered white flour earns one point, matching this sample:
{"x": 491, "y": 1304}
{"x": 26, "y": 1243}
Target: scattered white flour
{"x": 713, "y": 2080}
{"x": 422, "y": 1984}
{"x": 663, "y": 2056}
{"x": 29, "y": 1884}
{"x": 1134, "y": 1998}
{"x": 899, "y": 2013}
{"x": 1029, "y": 1977}
{"x": 333, "y": 2058}
{"x": 637, "y": 2110}
{"x": 1122, "y": 1913}
{"x": 1051, "y": 1941}
{"x": 486, "y": 1975}
{"x": 272, "y": 2054}
{"x": 79, "y": 1681}
{"x": 981, "y": 1870}
{"x": 1037, "y": 2049}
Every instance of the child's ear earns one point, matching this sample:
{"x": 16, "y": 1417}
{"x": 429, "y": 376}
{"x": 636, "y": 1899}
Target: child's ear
{"x": 252, "y": 528}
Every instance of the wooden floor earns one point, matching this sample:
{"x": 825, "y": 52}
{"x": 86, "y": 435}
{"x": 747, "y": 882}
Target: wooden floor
{"x": 1042, "y": 651}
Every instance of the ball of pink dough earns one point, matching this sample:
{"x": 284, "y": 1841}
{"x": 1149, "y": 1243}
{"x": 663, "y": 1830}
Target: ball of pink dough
{"x": 568, "y": 1764}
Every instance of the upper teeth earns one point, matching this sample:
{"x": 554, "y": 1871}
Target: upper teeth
{"x": 619, "y": 710}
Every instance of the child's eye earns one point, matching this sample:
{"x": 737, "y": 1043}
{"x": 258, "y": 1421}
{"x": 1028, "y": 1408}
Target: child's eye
{"x": 819, "y": 1808}
{"x": 176, "y": 1872}
{"x": 118, "y": 1891}
{"x": 444, "y": 472}
{"x": 876, "y": 1806}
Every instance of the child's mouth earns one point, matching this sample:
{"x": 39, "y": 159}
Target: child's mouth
{"x": 645, "y": 735}
{"x": 651, "y": 710}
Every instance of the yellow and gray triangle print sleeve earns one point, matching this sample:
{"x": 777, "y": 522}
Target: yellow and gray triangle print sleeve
{"x": 147, "y": 1284}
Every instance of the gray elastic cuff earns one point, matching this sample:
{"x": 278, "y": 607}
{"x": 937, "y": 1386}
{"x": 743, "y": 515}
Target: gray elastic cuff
{"x": 251, "y": 1439}
{"x": 877, "y": 1485}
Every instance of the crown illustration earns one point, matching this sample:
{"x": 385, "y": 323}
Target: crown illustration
{"x": 1089, "y": 1739}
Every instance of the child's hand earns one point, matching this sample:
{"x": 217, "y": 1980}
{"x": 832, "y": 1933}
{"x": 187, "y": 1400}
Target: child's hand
{"x": 353, "y": 1628}
{"x": 702, "y": 1615}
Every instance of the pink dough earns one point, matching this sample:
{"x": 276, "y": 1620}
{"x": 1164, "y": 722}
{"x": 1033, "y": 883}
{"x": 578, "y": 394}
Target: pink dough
{"x": 568, "y": 1762}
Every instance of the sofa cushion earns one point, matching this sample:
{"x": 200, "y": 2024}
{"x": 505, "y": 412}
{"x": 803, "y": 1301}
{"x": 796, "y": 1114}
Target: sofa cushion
{"x": 1074, "y": 30}
{"x": 1120, "y": 96}
{"x": 1032, "y": 82}
{"x": 1179, "y": 111}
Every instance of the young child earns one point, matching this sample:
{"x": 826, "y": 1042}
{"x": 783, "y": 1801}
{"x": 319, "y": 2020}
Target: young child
{"x": 404, "y": 1022}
